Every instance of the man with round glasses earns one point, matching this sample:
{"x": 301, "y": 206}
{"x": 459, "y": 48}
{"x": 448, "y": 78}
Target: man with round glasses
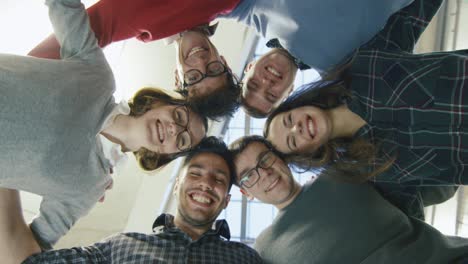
{"x": 326, "y": 221}
{"x": 203, "y": 75}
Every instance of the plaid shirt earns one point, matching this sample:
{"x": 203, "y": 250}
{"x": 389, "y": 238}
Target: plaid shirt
{"x": 167, "y": 245}
{"x": 414, "y": 104}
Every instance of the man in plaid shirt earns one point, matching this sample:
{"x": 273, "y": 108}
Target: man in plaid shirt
{"x": 191, "y": 236}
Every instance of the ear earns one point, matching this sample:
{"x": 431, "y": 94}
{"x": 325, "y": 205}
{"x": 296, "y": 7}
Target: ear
{"x": 228, "y": 199}
{"x": 176, "y": 186}
{"x": 247, "y": 194}
{"x": 249, "y": 66}
{"x": 178, "y": 83}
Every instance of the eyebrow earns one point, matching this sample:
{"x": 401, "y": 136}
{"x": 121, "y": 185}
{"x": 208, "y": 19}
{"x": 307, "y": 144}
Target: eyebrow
{"x": 196, "y": 166}
{"x": 257, "y": 159}
{"x": 192, "y": 137}
{"x": 217, "y": 171}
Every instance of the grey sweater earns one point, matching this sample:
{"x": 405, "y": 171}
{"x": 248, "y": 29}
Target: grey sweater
{"x": 343, "y": 223}
{"x": 51, "y": 113}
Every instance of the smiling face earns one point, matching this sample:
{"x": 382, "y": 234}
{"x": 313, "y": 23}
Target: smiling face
{"x": 275, "y": 185}
{"x": 203, "y": 190}
{"x": 301, "y": 130}
{"x": 268, "y": 81}
{"x": 195, "y": 51}
{"x": 170, "y": 128}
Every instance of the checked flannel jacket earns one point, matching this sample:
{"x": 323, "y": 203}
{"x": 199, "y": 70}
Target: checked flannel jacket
{"x": 168, "y": 244}
{"x": 415, "y": 105}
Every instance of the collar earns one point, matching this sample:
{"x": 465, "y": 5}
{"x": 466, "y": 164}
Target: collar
{"x": 274, "y": 43}
{"x": 219, "y": 227}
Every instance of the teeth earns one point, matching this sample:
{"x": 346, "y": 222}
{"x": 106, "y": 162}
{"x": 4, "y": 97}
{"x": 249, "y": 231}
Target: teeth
{"x": 195, "y": 50}
{"x": 274, "y": 72}
{"x": 160, "y": 132}
{"x": 310, "y": 126}
{"x": 201, "y": 199}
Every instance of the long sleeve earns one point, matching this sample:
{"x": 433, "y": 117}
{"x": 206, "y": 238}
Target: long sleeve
{"x": 412, "y": 199}
{"x": 72, "y": 29}
{"x": 404, "y": 28}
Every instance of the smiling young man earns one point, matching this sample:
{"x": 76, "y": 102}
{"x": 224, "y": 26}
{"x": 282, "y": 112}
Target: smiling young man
{"x": 193, "y": 235}
{"x": 330, "y": 222}
{"x": 267, "y": 82}
{"x": 203, "y": 75}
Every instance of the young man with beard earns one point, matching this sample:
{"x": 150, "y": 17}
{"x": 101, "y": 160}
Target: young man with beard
{"x": 330, "y": 222}
{"x": 193, "y": 235}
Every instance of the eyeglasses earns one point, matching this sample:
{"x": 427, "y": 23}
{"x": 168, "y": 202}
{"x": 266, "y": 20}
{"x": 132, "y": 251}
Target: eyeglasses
{"x": 180, "y": 114}
{"x": 213, "y": 69}
{"x": 265, "y": 161}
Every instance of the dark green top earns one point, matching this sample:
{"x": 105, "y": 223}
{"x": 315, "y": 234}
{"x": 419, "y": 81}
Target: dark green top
{"x": 344, "y": 223}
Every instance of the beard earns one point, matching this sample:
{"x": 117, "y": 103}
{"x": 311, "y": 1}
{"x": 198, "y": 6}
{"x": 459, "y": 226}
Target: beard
{"x": 193, "y": 220}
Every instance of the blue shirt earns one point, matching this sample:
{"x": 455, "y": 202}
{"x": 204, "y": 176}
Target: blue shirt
{"x": 320, "y": 33}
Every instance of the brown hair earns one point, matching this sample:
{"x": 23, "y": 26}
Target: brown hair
{"x": 356, "y": 158}
{"x": 143, "y": 101}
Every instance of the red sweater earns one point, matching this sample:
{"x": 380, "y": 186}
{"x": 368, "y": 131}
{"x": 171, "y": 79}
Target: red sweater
{"x": 147, "y": 20}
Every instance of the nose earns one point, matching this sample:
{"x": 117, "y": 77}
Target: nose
{"x": 265, "y": 172}
{"x": 297, "y": 128}
{"x": 207, "y": 182}
{"x": 173, "y": 129}
{"x": 268, "y": 82}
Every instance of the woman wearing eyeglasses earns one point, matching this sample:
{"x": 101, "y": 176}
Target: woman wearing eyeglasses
{"x": 58, "y": 117}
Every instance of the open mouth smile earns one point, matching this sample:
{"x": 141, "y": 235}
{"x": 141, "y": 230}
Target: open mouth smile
{"x": 273, "y": 72}
{"x": 160, "y": 131}
{"x": 195, "y": 50}
{"x": 311, "y": 127}
{"x": 201, "y": 198}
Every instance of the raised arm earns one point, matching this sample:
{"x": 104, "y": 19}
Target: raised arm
{"x": 100, "y": 19}
{"x": 72, "y": 29}
{"x": 16, "y": 239}
{"x": 147, "y": 20}
{"x": 404, "y": 28}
